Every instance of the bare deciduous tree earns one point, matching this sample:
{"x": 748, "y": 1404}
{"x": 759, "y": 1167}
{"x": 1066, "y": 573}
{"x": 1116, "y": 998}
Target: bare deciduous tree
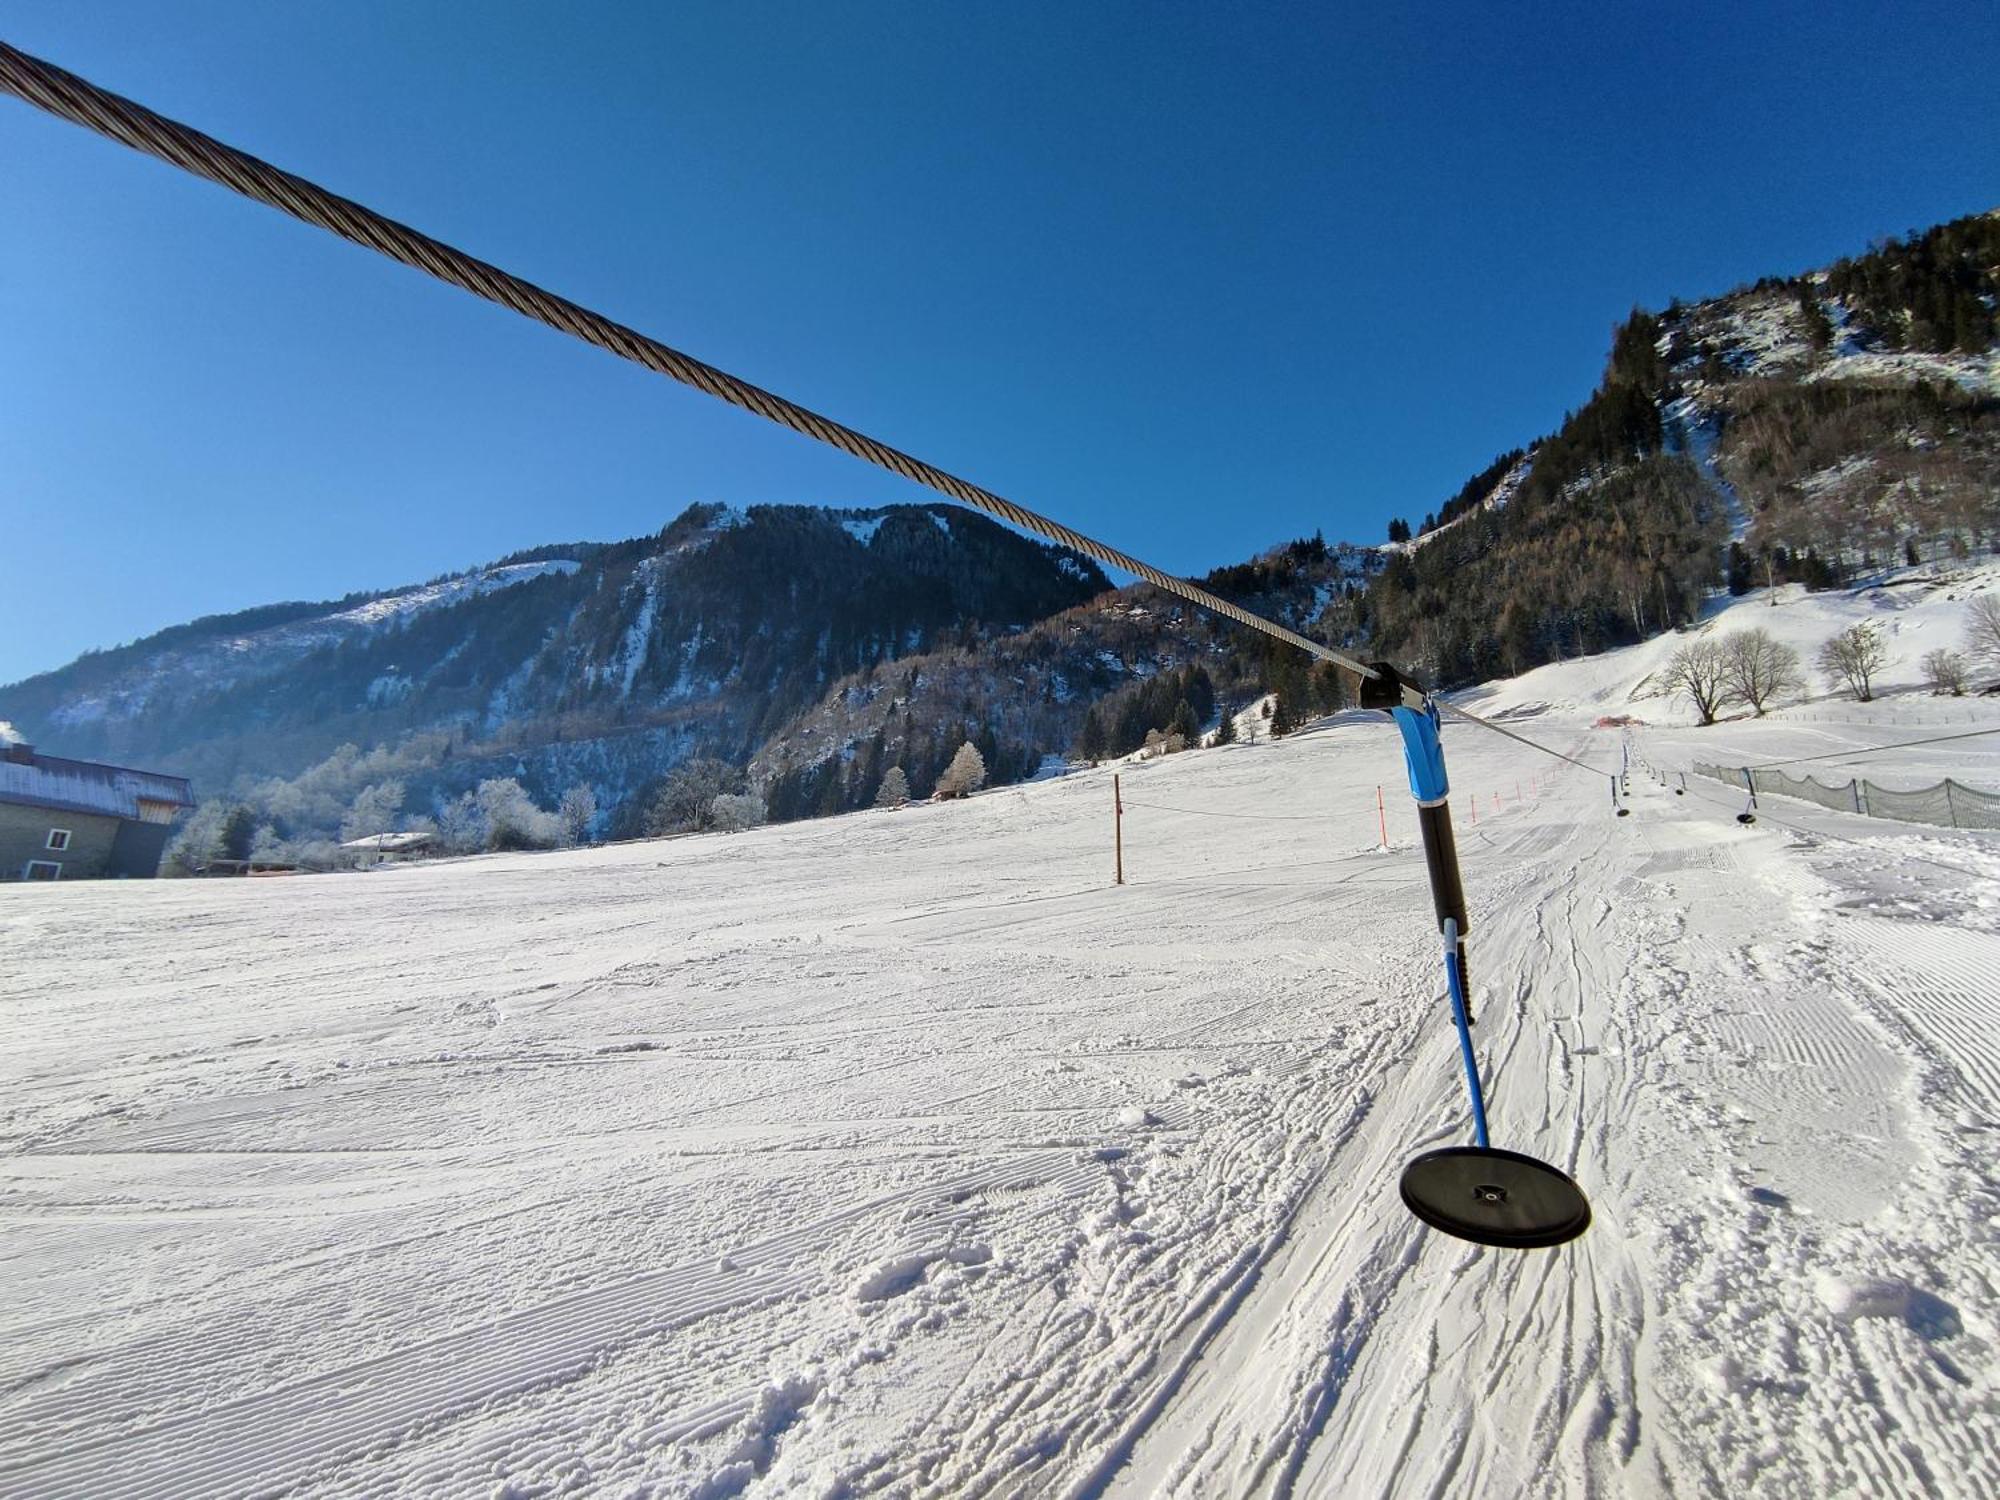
{"x": 1699, "y": 672}
{"x": 1757, "y": 668}
{"x": 374, "y": 810}
{"x": 1944, "y": 672}
{"x": 577, "y": 808}
{"x": 1852, "y": 659}
{"x": 1982, "y": 632}
{"x": 686, "y": 800}
{"x": 460, "y": 829}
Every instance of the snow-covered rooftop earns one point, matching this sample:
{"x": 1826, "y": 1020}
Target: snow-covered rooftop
{"x": 50, "y": 781}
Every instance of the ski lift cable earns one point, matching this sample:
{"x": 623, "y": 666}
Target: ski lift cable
{"x": 1204, "y": 812}
{"x": 1936, "y": 739}
{"x": 81, "y": 102}
{"x": 1476, "y": 1192}
{"x": 1455, "y": 711}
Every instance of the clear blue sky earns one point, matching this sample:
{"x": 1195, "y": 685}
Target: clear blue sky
{"x": 1195, "y": 277}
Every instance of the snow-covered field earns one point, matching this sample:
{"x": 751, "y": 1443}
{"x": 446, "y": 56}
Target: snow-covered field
{"x": 905, "y": 1154}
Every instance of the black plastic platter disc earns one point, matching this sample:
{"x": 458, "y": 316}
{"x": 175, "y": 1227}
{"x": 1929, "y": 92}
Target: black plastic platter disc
{"x": 1495, "y": 1197}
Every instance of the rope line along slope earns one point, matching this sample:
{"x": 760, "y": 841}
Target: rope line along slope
{"x": 65, "y": 95}
{"x": 1862, "y": 754}
{"x": 83, "y": 103}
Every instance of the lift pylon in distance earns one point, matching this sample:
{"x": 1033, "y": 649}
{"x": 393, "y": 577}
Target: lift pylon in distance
{"x": 1477, "y": 1192}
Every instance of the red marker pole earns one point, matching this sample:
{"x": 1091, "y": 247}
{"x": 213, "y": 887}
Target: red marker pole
{"x": 1382, "y": 814}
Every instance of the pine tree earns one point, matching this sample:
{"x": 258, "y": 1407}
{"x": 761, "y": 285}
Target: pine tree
{"x": 238, "y": 830}
{"x": 895, "y": 788}
{"x": 1184, "y": 723}
{"x": 1819, "y": 329}
{"x": 1225, "y": 732}
{"x": 1329, "y": 693}
{"x": 1281, "y": 719}
{"x": 1090, "y": 743}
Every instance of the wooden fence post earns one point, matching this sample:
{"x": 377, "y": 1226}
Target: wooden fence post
{"x": 1118, "y": 829}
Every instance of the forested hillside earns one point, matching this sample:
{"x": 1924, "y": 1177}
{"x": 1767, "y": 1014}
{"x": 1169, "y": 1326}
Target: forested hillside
{"x": 1023, "y": 697}
{"x": 1811, "y": 428}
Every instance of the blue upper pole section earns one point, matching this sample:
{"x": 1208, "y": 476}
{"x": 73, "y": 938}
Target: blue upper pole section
{"x": 1424, "y": 752}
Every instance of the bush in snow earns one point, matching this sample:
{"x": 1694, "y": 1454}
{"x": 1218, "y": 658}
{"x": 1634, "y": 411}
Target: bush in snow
{"x": 499, "y": 815}
{"x": 1852, "y": 658}
{"x": 1756, "y": 668}
{"x": 895, "y": 789}
{"x": 1944, "y": 672}
{"x": 512, "y": 821}
{"x": 966, "y": 773}
{"x": 733, "y": 812}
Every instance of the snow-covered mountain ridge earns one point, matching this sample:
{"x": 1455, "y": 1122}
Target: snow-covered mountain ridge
{"x": 649, "y": 649}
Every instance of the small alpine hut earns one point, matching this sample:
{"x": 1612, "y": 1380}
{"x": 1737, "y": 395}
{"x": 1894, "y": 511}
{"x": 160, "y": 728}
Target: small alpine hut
{"x": 76, "y": 820}
{"x": 388, "y": 848}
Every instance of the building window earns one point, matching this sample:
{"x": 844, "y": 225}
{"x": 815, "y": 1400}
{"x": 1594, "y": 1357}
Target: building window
{"x": 42, "y": 869}
{"x": 59, "y": 839}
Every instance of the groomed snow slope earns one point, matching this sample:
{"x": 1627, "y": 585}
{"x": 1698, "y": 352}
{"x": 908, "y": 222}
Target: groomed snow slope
{"x": 904, "y": 1154}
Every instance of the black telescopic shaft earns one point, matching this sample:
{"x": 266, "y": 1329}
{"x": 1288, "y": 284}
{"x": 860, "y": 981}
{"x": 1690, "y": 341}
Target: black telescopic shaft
{"x": 1447, "y": 889}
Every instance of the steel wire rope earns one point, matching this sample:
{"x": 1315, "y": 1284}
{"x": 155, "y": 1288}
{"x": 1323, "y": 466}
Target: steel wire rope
{"x": 1203, "y": 812}
{"x": 1457, "y": 712}
{"x": 1938, "y": 739}
{"x": 81, "y": 102}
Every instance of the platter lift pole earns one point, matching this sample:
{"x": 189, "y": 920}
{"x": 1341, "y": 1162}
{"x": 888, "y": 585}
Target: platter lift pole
{"x": 1478, "y": 1192}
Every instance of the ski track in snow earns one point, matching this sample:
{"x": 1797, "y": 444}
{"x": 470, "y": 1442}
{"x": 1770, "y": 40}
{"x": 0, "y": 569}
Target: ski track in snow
{"x": 903, "y": 1154}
